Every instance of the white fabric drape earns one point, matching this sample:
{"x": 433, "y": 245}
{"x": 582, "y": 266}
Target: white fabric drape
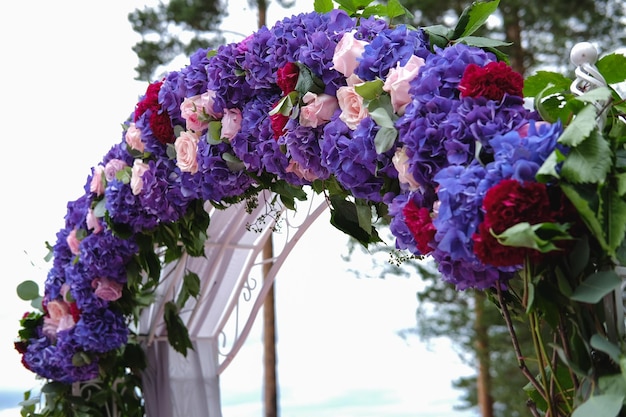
{"x": 179, "y": 386}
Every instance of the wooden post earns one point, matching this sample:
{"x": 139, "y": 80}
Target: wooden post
{"x": 485, "y": 402}
{"x": 270, "y": 389}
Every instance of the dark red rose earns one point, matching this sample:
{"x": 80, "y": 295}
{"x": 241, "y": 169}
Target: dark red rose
{"x": 506, "y": 204}
{"x": 491, "y": 81}
{"x": 420, "y": 224}
{"x": 161, "y": 126}
{"x": 287, "y": 77}
{"x": 278, "y": 122}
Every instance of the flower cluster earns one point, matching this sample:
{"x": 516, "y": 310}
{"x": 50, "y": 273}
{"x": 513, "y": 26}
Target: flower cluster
{"x": 436, "y": 138}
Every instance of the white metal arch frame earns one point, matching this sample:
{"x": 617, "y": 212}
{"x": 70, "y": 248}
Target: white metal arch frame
{"x": 233, "y": 290}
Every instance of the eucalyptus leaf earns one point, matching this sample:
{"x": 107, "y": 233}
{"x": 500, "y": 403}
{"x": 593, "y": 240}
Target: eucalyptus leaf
{"x": 214, "y": 132}
{"x": 28, "y": 290}
{"x": 603, "y": 344}
{"x": 596, "y": 286}
{"x": 607, "y": 405}
{"x": 384, "y": 139}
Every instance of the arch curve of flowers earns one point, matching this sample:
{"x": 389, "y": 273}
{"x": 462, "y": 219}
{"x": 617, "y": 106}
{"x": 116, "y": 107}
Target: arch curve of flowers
{"x": 433, "y": 136}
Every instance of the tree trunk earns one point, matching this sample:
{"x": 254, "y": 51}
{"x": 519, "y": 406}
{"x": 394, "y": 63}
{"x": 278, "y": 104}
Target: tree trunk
{"x": 513, "y": 30}
{"x": 483, "y": 386}
{"x": 270, "y": 390}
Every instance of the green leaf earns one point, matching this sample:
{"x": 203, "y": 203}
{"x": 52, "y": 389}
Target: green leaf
{"x": 595, "y": 95}
{"x": 28, "y": 290}
{"x": 538, "y": 236}
{"x": 596, "y": 286}
{"x": 481, "y": 42}
{"x": 214, "y": 132}
{"x": 232, "y": 162}
{"x": 473, "y": 17}
{"x": 589, "y": 162}
{"x": 396, "y": 9}
{"x": 345, "y": 217}
{"x": 308, "y": 82}
{"x": 370, "y": 90}
{"x": 323, "y": 6}
{"x": 585, "y": 199}
{"x": 621, "y": 183}
{"x": 580, "y": 128}
{"x": 614, "y": 209}
{"x": 382, "y": 118}
{"x": 177, "y": 333}
{"x": 612, "y": 68}
{"x": 385, "y": 138}
{"x": 607, "y": 405}
{"x": 538, "y": 82}
{"x": 438, "y": 35}
{"x": 191, "y": 281}
{"x": 547, "y": 171}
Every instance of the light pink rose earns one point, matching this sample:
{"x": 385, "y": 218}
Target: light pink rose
{"x": 347, "y": 52}
{"x": 73, "y": 242}
{"x": 59, "y": 318}
{"x": 304, "y": 173}
{"x": 397, "y": 83}
{"x": 523, "y": 131}
{"x": 107, "y": 289}
{"x": 65, "y": 293}
{"x": 207, "y": 102}
{"x": 318, "y": 109}
{"x": 112, "y": 168}
{"x": 97, "y": 184}
{"x": 93, "y": 223}
{"x": 133, "y": 138}
{"x": 401, "y": 163}
{"x": 191, "y": 110}
{"x": 186, "y": 147}
{"x": 136, "y": 183}
{"x": 351, "y": 105}
{"x": 231, "y": 123}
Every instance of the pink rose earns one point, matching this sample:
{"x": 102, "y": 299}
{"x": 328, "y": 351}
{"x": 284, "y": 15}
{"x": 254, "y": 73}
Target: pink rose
{"x": 207, "y": 102}
{"x": 73, "y": 242}
{"x": 93, "y": 223}
{"x": 136, "y": 183}
{"x": 133, "y": 138}
{"x": 186, "y": 147}
{"x": 401, "y": 163}
{"x": 198, "y": 111}
{"x": 397, "y": 83}
{"x": 523, "y": 130}
{"x": 347, "y": 52}
{"x": 304, "y": 173}
{"x": 231, "y": 123}
{"x": 351, "y": 105}
{"x": 107, "y": 289}
{"x": 59, "y": 318}
{"x": 97, "y": 184}
{"x": 318, "y": 109}
{"x": 112, "y": 168}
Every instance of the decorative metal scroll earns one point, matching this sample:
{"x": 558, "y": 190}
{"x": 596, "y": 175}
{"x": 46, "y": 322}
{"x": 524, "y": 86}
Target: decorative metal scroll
{"x": 233, "y": 289}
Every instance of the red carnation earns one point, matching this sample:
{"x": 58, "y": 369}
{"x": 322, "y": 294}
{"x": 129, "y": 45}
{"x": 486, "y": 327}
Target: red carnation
{"x": 75, "y": 312}
{"x": 161, "y": 126}
{"x": 287, "y": 77}
{"x": 149, "y": 101}
{"x": 506, "y": 204}
{"x": 491, "y": 81}
{"x": 420, "y": 224}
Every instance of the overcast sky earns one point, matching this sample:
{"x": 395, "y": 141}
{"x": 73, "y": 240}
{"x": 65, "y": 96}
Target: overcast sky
{"x": 67, "y": 70}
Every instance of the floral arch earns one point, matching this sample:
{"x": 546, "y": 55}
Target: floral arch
{"x": 426, "y": 129}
